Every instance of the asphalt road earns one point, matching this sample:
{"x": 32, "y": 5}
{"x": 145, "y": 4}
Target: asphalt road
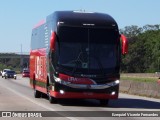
{"x": 16, "y": 95}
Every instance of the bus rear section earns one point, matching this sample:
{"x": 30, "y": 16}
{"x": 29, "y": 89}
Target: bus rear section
{"x": 82, "y": 59}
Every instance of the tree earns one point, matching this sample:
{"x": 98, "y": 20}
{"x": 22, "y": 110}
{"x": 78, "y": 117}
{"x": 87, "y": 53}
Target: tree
{"x": 144, "y": 49}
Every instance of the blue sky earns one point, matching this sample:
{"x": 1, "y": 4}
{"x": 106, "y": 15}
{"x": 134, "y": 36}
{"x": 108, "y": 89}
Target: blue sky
{"x": 17, "y": 17}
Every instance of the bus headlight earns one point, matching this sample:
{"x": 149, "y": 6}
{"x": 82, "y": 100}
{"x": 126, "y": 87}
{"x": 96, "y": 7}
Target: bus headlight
{"x": 113, "y": 93}
{"x": 58, "y": 80}
{"x": 61, "y": 91}
{"x": 117, "y": 81}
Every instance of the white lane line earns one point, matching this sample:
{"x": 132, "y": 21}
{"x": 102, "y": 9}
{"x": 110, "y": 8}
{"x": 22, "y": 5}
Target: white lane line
{"x": 33, "y": 101}
{"x": 39, "y": 104}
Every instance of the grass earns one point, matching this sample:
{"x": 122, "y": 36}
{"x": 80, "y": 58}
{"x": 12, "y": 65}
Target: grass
{"x": 140, "y": 79}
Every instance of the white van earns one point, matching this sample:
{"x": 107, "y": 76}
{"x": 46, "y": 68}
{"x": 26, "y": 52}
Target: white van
{"x": 4, "y": 71}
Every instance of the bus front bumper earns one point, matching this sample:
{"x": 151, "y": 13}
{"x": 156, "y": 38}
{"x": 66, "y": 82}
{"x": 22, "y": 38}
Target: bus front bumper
{"x": 83, "y": 95}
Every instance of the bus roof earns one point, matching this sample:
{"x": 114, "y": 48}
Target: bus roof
{"x": 83, "y": 18}
{"x": 39, "y": 24}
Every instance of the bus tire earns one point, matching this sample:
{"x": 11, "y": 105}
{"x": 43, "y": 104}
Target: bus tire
{"x": 104, "y": 102}
{"x": 51, "y": 99}
{"x": 37, "y": 94}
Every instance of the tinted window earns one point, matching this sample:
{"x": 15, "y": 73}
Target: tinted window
{"x": 38, "y": 38}
{"x": 11, "y": 72}
{"x": 88, "y": 48}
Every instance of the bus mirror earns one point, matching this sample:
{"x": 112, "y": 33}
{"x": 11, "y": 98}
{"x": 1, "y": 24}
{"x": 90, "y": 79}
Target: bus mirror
{"x": 52, "y": 41}
{"x": 124, "y": 44}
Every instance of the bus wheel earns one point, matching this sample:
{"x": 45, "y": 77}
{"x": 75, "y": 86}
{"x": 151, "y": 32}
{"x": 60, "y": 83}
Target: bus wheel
{"x": 51, "y": 99}
{"x": 104, "y": 102}
{"x": 37, "y": 94}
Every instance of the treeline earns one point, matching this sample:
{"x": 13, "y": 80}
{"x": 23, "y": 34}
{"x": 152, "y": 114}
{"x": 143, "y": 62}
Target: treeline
{"x": 11, "y": 62}
{"x": 144, "y": 49}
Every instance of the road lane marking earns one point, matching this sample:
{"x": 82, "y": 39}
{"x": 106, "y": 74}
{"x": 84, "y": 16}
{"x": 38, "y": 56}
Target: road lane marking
{"x": 37, "y": 103}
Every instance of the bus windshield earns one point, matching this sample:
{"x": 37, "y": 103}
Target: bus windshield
{"x": 88, "y": 50}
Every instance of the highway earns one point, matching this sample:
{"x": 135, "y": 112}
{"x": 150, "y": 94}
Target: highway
{"x": 16, "y": 95}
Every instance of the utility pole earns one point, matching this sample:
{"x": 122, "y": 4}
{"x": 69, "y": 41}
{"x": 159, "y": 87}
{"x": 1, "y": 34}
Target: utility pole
{"x": 21, "y": 49}
{"x": 21, "y": 60}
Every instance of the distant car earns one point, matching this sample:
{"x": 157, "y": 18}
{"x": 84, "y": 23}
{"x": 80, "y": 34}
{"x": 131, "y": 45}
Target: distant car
{"x": 25, "y": 73}
{"x": 10, "y": 74}
{"x": 4, "y": 71}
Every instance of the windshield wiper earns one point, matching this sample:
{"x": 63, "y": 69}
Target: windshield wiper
{"x": 78, "y": 61}
{"x": 100, "y": 65}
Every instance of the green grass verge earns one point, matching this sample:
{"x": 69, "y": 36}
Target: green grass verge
{"x": 140, "y": 79}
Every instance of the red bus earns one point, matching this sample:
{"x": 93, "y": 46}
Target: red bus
{"x": 76, "y": 55}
